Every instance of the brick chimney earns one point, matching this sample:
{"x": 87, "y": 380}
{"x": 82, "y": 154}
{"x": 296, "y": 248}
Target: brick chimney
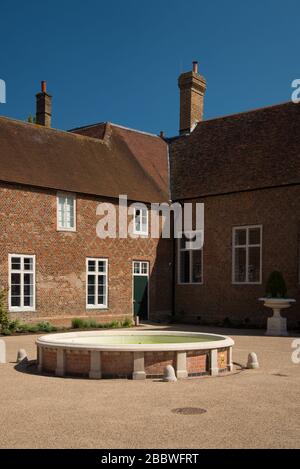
{"x": 192, "y": 88}
{"x": 43, "y": 106}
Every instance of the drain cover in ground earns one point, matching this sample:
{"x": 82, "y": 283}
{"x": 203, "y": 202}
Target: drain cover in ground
{"x": 189, "y": 410}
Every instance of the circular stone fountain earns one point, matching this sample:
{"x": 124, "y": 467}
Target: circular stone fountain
{"x": 133, "y": 354}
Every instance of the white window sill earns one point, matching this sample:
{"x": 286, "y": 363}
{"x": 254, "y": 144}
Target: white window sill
{"x": 96, "y": 307}
{"x": 190, "y": 283}
{"x": 21, "y": 310}
{"x": 141, "y": 233}
{"x": 68, "y": 230}
{"x": 246, "y": 283}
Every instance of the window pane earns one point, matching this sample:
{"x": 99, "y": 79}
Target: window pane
{"x": 91, "y": 289}
{"x": 28, "y": 301}
{"x": 16, "y": 263}
{"x": 91, "y": 280}
{"x": 254, "y": 264}
{"x": 91, "y": 299}
{"x": 28, "y": 263}
{"x": 101, "y": 296}
{"x": 137, "y": 220}
{"x": 15, "y": 279}
{"x": 28, "y": 279}
{"x": 197, "y": 266}
{"x": 144, "y": 221}
{"x": 240, "y": 237}
{"x": 144, "y": 268}
{"x": 61, "y": 201}
{"x": 91, "y": 266}
{"x": 15, "y": 301}
{"x": 240, "y": 265}
{"x": 101, "y": 280}
{"x": 60, "y": 219}
{"x": 254, "y": 235}
{"x": 185, "y": 266}
{"x": 28, "y": 290}
{"x": 15, "y": 290}
{"x": 101, "y": 266}
{"x": 136, "y": 267}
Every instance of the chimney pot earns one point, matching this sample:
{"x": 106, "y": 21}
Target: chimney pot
{"x": 162, "y": 134}
{"x": 195, "y": 66}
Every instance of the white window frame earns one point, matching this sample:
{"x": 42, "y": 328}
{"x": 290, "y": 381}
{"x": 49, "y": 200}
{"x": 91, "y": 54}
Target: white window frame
{"x": 246, "y": 246}
{"x": 141, "y": 231}
{"x": 96, "y": 273}
{"x": 21, "y": 272}
{"x": 73, "y": 196}
{"x": 140, "y": 272}
{"x": 179, "y": 250}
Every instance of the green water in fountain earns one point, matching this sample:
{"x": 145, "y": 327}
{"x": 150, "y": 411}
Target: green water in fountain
{"x": 142, "y": 339}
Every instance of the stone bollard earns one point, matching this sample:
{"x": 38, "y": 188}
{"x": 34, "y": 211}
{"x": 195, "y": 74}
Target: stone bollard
{"x": 2, "y": 352}
{"x": 169, "y": 374}
{"x": 252, "y": 361}
{"x": 22, "y": 355}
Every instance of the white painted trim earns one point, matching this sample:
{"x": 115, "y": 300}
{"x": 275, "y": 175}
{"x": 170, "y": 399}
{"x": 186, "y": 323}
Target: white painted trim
{"x": 18, "y": 309}
{"x": 179, "y": 250}
{"x": 97, "y": 306}
{"x": 141, "y": 232}
{"x": 73, "y": 196}
{"x": 246, "y": 246}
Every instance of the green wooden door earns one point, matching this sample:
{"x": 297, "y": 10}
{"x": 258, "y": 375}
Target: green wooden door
{"x": 140, "y": 289}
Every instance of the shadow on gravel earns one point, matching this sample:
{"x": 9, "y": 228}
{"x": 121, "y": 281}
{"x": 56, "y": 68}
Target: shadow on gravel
{"x": 27, "y": 366}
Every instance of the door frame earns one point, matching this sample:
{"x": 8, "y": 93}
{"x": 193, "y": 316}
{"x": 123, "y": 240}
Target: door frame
{"x": 148, "y": 285}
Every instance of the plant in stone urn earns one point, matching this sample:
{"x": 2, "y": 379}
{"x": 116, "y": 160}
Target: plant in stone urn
{"x": 276, "y": 286}
{"x": 276, "y": 299}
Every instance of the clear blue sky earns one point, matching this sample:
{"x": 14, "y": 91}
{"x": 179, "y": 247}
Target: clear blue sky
{"x": 119, "y": 61}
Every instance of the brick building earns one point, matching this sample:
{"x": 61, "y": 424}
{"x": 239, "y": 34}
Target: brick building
{"x": 244, "y": 167}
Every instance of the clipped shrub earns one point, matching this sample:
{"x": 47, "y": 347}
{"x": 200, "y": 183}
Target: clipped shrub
{"x": 14, "y": 325}
{"x": 78, "y": 323}
{"x": 32, "y": 328}
{"x": 115, "y": 324}
{"x": 46, "y": 326}
{"x": 4, "y": 316}
{"x": 126, "y": 323}
{"x": 276, "y": 286}
{"x": 93, "y": 324}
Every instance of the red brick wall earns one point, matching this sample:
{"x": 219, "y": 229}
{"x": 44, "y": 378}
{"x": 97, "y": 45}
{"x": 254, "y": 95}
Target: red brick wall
{"x": 197, "y": 362}
{"x": 277, "y": 210}
{"x": 155, "y": 362}
{"x": 77, "y": 362}
{"x": 117, "y": 364}
{"x": 28, "y": 226}
{"x": 49, "y": 359}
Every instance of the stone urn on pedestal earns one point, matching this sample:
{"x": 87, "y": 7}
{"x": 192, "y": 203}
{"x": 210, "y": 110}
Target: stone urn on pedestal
{"x": 276, "y": 300}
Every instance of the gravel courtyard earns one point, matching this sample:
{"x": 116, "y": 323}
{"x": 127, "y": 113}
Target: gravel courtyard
{"x": 249, "y": 408}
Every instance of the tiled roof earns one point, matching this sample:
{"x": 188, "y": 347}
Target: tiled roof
{"x": 116, "y": 162}
{"x": 251, "y": 150}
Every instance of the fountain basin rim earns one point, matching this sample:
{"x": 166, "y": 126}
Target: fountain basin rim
{"x": 56, "y": 341}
